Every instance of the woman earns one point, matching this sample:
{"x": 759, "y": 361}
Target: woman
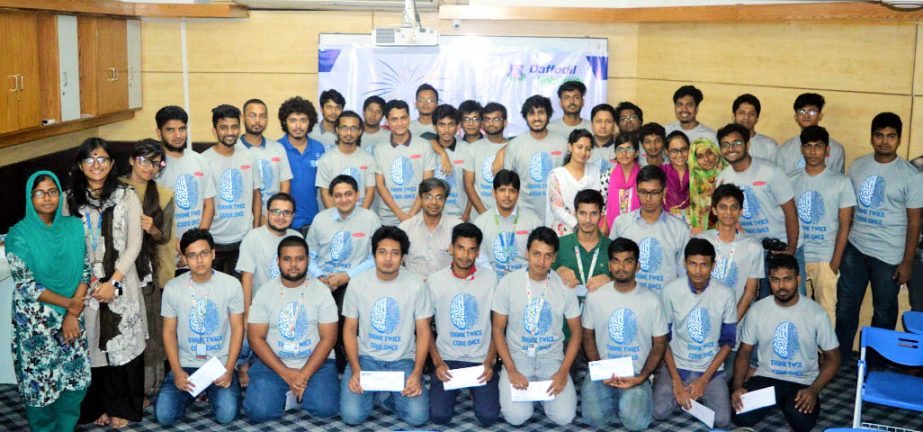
{"x": 621, "y": 195}
{"x": 564, "y": 182}
{"x": 705, "y": 163}
{"x": 47, "y": 258}
{"x": 676, "y": 200}
{"x": 158, "y": 250}
{"x": 116, "y": 330}
{"x": 603, "y": 122}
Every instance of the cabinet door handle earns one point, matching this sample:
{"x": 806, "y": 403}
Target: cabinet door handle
{"x": 64, "y": 78}
{"x": 13, "y": 81}
{"x": 22, "y": 85}
{"x": 116, "y": 73}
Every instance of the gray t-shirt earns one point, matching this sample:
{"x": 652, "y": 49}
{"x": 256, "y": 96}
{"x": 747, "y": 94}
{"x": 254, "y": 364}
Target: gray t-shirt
{"x": 884, "y": 192}
{"x": 696, "y": 321}
{"x": 417, "y": 129}
{"x": 481, "y": 156}
{"x": 661, "y": 244}
{"x": 765, "y": 189}
{"x": 234, "y": 182}
{"x": 271, "y": 164}
{"x": 533, "y": 160}
{"x": 624, "y": 323}
{"x": 736, "y": 262}
{"x": 457, "y": 200}
{"x": 762, "y": 146}
{"x": 461, "y": 308}
{"x": 504, "y": 245}
{"x": 188, "y": 178}
{"x": 603, "y": 157}
{"x": 563, "y": 129}
{"x": 202, "y": 313}
{"x": 328, "y": 139}
{"x": 387, "y": 312}
{"x": 788, "y": 338}
{"x": 293, "y": 315}
{"x": 537, "y": 319}
{"x": 791, "y": 160}
{"x": 359, "y": 165}
{"x": 259, "y": 255}
{"x": 819, "y": 200}
{"x": 402, "y": 167}
{"x": 370, "y": 141}
{"x": 340, "y": 245}
{"x": 700, "y": 131}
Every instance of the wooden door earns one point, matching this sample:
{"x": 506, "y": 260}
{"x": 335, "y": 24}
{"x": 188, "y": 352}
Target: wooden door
{"x": 91, "y": 67}
{"x": 9, "y": 111}
{"x": 118, "y": 37}
{"x": 30, "y": 109}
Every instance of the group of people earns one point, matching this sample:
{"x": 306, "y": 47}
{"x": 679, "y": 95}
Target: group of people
{"x": 347, "y": 247}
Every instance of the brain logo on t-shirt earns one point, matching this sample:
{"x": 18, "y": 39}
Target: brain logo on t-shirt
{"x": 357, "y": 176}
{"x": 186, "y": 191}
{"x": 651, "y": 256}
{"x": 872, "y": 191}
{"x": 293, "y": 322}
{"x": 463, "y": 311}
{"x": 785, "y": 340}
{"x": 800, "y": 163}
{"x": 503, "y": 247}
{"x": 810, "y": 207}
{"x": 698, "y": 325}
{"x": 231, "y": 185}
{"x": 264, "y": 169}
{"x": 401, "y": 171}
{"x": 487, "y": 171}
{"x": 536, "y": 321}
{"x": 540, "y": 166}
{"x": 623, "y": 326}
{"x": 751, "y": 207}
{"x": 341, "y": 246}
{"x": 203, "y": 317}
{"x": 725, "y": 270}
{"x": 385, "y": 315}
{"x": 273, "y": 270}
{"x": 449, "y": 178}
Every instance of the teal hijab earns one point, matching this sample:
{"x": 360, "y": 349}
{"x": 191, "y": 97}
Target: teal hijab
{"x": 55, "y": 254}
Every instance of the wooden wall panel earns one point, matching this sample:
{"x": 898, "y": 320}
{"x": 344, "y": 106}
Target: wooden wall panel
{"x": 158, "y": 90}
{"x": 912, "y": 139}
{"x": 160, "y": 45}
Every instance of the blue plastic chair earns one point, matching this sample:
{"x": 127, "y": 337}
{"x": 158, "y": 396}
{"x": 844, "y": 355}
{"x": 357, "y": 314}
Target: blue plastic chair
{"x": 889, "y": 388}
{"x": 913, "y": 322}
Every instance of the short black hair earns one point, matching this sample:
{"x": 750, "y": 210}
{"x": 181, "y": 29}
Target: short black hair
{"x": 506, "y": 177}
{"x": 431, "y": 183}
{"x": 628, "y": 137}
{"x": 170, "y": 112}
{"x": 625, "y": 105}
{"x": 297, "y": 105}
{"x": 814, "y": 133}
{"x": 571, "y": 86}
{"x": 470, "y": 106}
{"x": 783, "y": 261}
{"x": 281, "y": 196}
{"x": 545, "y": 235}
{"x": 292, "y": 241}
{"x": 604, "y": 107}
{"x": 622, "y": 244}
{"x": 349, "y": 114}
{"x": 677, "y": 134}
{"x": 391, "y": 232}
{"x": 806, "y": 99}
{"x": 394, "y": 104}
{"x": 332, "y": 95}
{"x": 589, "y": 196}
{"x": 446, "y": 110}
{"x": 424, "y": 87}
{"x": 194, "y": 235}
{"x": 467, "y": 230}
{"x": 224, "y": 111}
{"x": 343, "y": 178}
{"x": 578, "y": 133}
{"x": 650, "y": 173}
{"x": 731, "y": 128}
{"x": 747, "y": 98}
{"x": 536, "y": 102}
{"x": 252, "y": 101}
{"x": 727, "y": 190}
{"x": 375, "y": 99}
{"x": 688, "y": 90}
{"x": 653, "y": 128}
{"x": 493, "y": 107}
{"x": 887, "y": 119}
{"x": 699, "y": 246}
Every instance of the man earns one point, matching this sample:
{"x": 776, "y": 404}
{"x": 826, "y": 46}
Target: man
{"x": 470, "y": 117}
{"x": 746, "y": 110}
{"x": 402, "y": 165}
{"x": 345, "y": 159}
{"x": 629, "y": 117}
{"x": 297, "y": 118}
{"x": 702, "y": 319}
{"x": 884, "y": 234}
{"x": 430, "y": 231}
{"x": 653, "y": 138}
{"x": 506, "y": 227}
{"x": 373, "y": 133}
{"x": 478, "y": 169}
{"x": 211, "y": 305}
{"x": 269, "y": 158}
{"x": 788, "y": 330}
{"x": 686, "y": 101}
{"x": 230, "y": 170}
{"x": 826, "y": 200}
{"x": 292, "y": 329}
{"x": 462, "y": 295}
{"x": 184, "y": 173}
{"x": 660, "y": 235}
{"x": 632, "y": 324}
{"x": 530, "y": 309}
{"x": 570, "y": 96}
{"x": 808, "y": 112}
{"x": 769, "y": 206}
{"x": 390, "y": 310}
{"x": 427, "y": 98}
{"x": 583, "y": 270}
{"x": 331, "y": 106}
{"x": 446, "y": 119}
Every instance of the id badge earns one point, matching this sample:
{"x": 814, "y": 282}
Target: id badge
{"x": 291, "y": 347}
{"x": 531, "y": 350}
{"x": 201, "y": 351}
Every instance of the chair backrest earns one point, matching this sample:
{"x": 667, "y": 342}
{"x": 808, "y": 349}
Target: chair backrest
{"x": 902, "y": 348}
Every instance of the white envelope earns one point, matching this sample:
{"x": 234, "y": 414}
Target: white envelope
{"x": 381, "y": 381}
{"x": 758, "y": 399}
{"x": 464, "y": 378}
{"x": 604, "y": 369}
{"x": 205, "y": 375}
{"x": 703, "y": 413}
{"x": 537, "y": 391}
{"x": 291, "y": 401}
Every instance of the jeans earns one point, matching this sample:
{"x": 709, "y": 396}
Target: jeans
{"x": 915, "y": 286}
{"x": 561, "y": 410}
{"x": 266, "y": 393}
{"x": 785, "y": 400}
{"x": 356, "y": 407}
{"x": 764, "y": 290}
{"x": 486, "y": 398}
{"x": 634, "y": 406}
{"x": 715, "y": 397}
{"x": 172, "y": 402}
{"x": 226, "y": 258}
{"x": 245, "y": 353}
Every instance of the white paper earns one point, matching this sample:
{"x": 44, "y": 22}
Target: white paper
{"x": 537, "y": 391}
{"x": 703, "y": 413}
{"x": 381, "y": 381}
{"x": 464, "y": 378}
{"x": 209, "y": 372}
{"x": 291, "y": 401}
{"x": 758, "y": 399}
{"x": 604, "y": 369}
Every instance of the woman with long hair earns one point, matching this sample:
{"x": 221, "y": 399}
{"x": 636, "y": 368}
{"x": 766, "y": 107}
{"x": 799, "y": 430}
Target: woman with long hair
{"x": 705, "y": 163}
{"x": 676, "y": 200}
{"x": 565, "y": 181}
{"x": 621, "y": 195}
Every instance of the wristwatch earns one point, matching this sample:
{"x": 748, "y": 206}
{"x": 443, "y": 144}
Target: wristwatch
{"x": 118, "y": 287}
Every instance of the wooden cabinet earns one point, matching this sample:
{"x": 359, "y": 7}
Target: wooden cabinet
{"x": 19, "y": 70}
{"x": 103, "y": 58}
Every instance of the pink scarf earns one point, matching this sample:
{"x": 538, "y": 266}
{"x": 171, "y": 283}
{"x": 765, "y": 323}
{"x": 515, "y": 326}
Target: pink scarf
{"x": 618, "y": 184}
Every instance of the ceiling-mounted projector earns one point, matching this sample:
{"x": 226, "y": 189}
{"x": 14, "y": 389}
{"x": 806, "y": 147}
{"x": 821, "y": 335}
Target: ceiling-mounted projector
{"x": 411, "y": 32}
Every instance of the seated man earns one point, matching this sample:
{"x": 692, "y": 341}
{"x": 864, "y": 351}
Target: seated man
{"x": 789, "y": 330}
{"x": 583, "y": 269}
{"x": 506, "y": 227}
{"x": 292, "y": 329}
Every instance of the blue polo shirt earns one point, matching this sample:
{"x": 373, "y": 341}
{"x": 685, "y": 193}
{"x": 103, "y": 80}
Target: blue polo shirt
{"x": 304, "y": 172}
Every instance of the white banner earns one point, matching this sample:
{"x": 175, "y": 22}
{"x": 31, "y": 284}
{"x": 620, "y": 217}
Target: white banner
{"x": 486, "y": 69}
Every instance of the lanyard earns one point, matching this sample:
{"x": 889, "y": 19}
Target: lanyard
{"x": 507, "y": 244}
{"x": 94, "y": 234}
{"x": 584, "y": 277}
{"x": 533, "y": 323}
{"x": 730, "y": 257}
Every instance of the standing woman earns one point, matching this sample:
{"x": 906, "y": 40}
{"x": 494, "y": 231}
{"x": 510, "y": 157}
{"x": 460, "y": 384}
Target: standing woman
{"x": 47, "y": 257}
{"x": 622, "y": 196}
{"x": 603, "y": 123}
{"x": 564, "y": 182}
{"x": 156, "y": 263}
{"x": 116, "y": 330}
{"x": 705, "y": 163}
{"x": 676, "y": 200}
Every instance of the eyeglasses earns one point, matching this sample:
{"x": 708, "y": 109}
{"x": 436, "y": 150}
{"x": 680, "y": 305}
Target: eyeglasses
{"x": 471, "y": 119}
{"x": 101, "y": 160}
{"x": 280, "y": 212}
{"x": 50, "y": 193}
{"x": 678, "y": 151}
{"x": 430, "y": 197}
{"x": 149, "y": 163}
{"x": 807, "y": 112}
{"x": 352, "y": 129}
{"x": 493, "y": 119}
{"x": 426, "y": 100}
{"x": 195, "y": 256}
{"x": 644, "y": 193}
{"x": 628, "y": 118}
{"x": 624, "y": 150}
{"x": 735, "y": 143}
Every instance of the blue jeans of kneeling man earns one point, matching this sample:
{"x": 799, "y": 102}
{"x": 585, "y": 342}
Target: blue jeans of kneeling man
{"x": 265, "y": 398}
{"x": 561, "y": 410}
{"x": 634, "y": 406}
{"x": 172, "y": 402}
{"x": 356, "y": 407}
{"x": 486, "y": 398}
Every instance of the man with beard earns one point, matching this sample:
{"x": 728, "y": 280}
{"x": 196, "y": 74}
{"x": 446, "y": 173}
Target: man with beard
{"x": 298, "y": 117}
{"x": 506, "y": 227}
{"x": 788, "y": 329}
{"x": 470, "y": 117}
{"x": 686, "y": 101}
{"x": 570, "y": 96}
{"x": 631, "y": 324}
{"x": 427, "y": 98}
{"x": 331, "y": 106}
{"x": 231, "y": 174}
{"x": 372, "y": 133}
{"x": 583, "y": 270}
{"x": 345, "y": 159}
{"x": 430, "y": 231}
{"x": 269, "y": 159}
{"x": 629, "y": 117}
{"x": 478, "y": 167}
{"x": 292, "y": 329}
{"x": 446, "y": 119}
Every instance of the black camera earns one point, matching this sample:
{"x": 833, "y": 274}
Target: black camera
{"x": 774, "y": 245}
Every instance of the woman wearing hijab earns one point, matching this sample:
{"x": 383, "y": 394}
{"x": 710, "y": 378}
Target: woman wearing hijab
{"x": 705, "y": 163}
{"x": 47, "y": 258}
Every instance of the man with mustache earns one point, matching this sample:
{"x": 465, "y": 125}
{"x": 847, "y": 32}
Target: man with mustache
{"x": 686, "y": 101}
{"x": 298, "y": 117}
{"x": 570, "y": 95}
{"x": 270, "y": 162}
